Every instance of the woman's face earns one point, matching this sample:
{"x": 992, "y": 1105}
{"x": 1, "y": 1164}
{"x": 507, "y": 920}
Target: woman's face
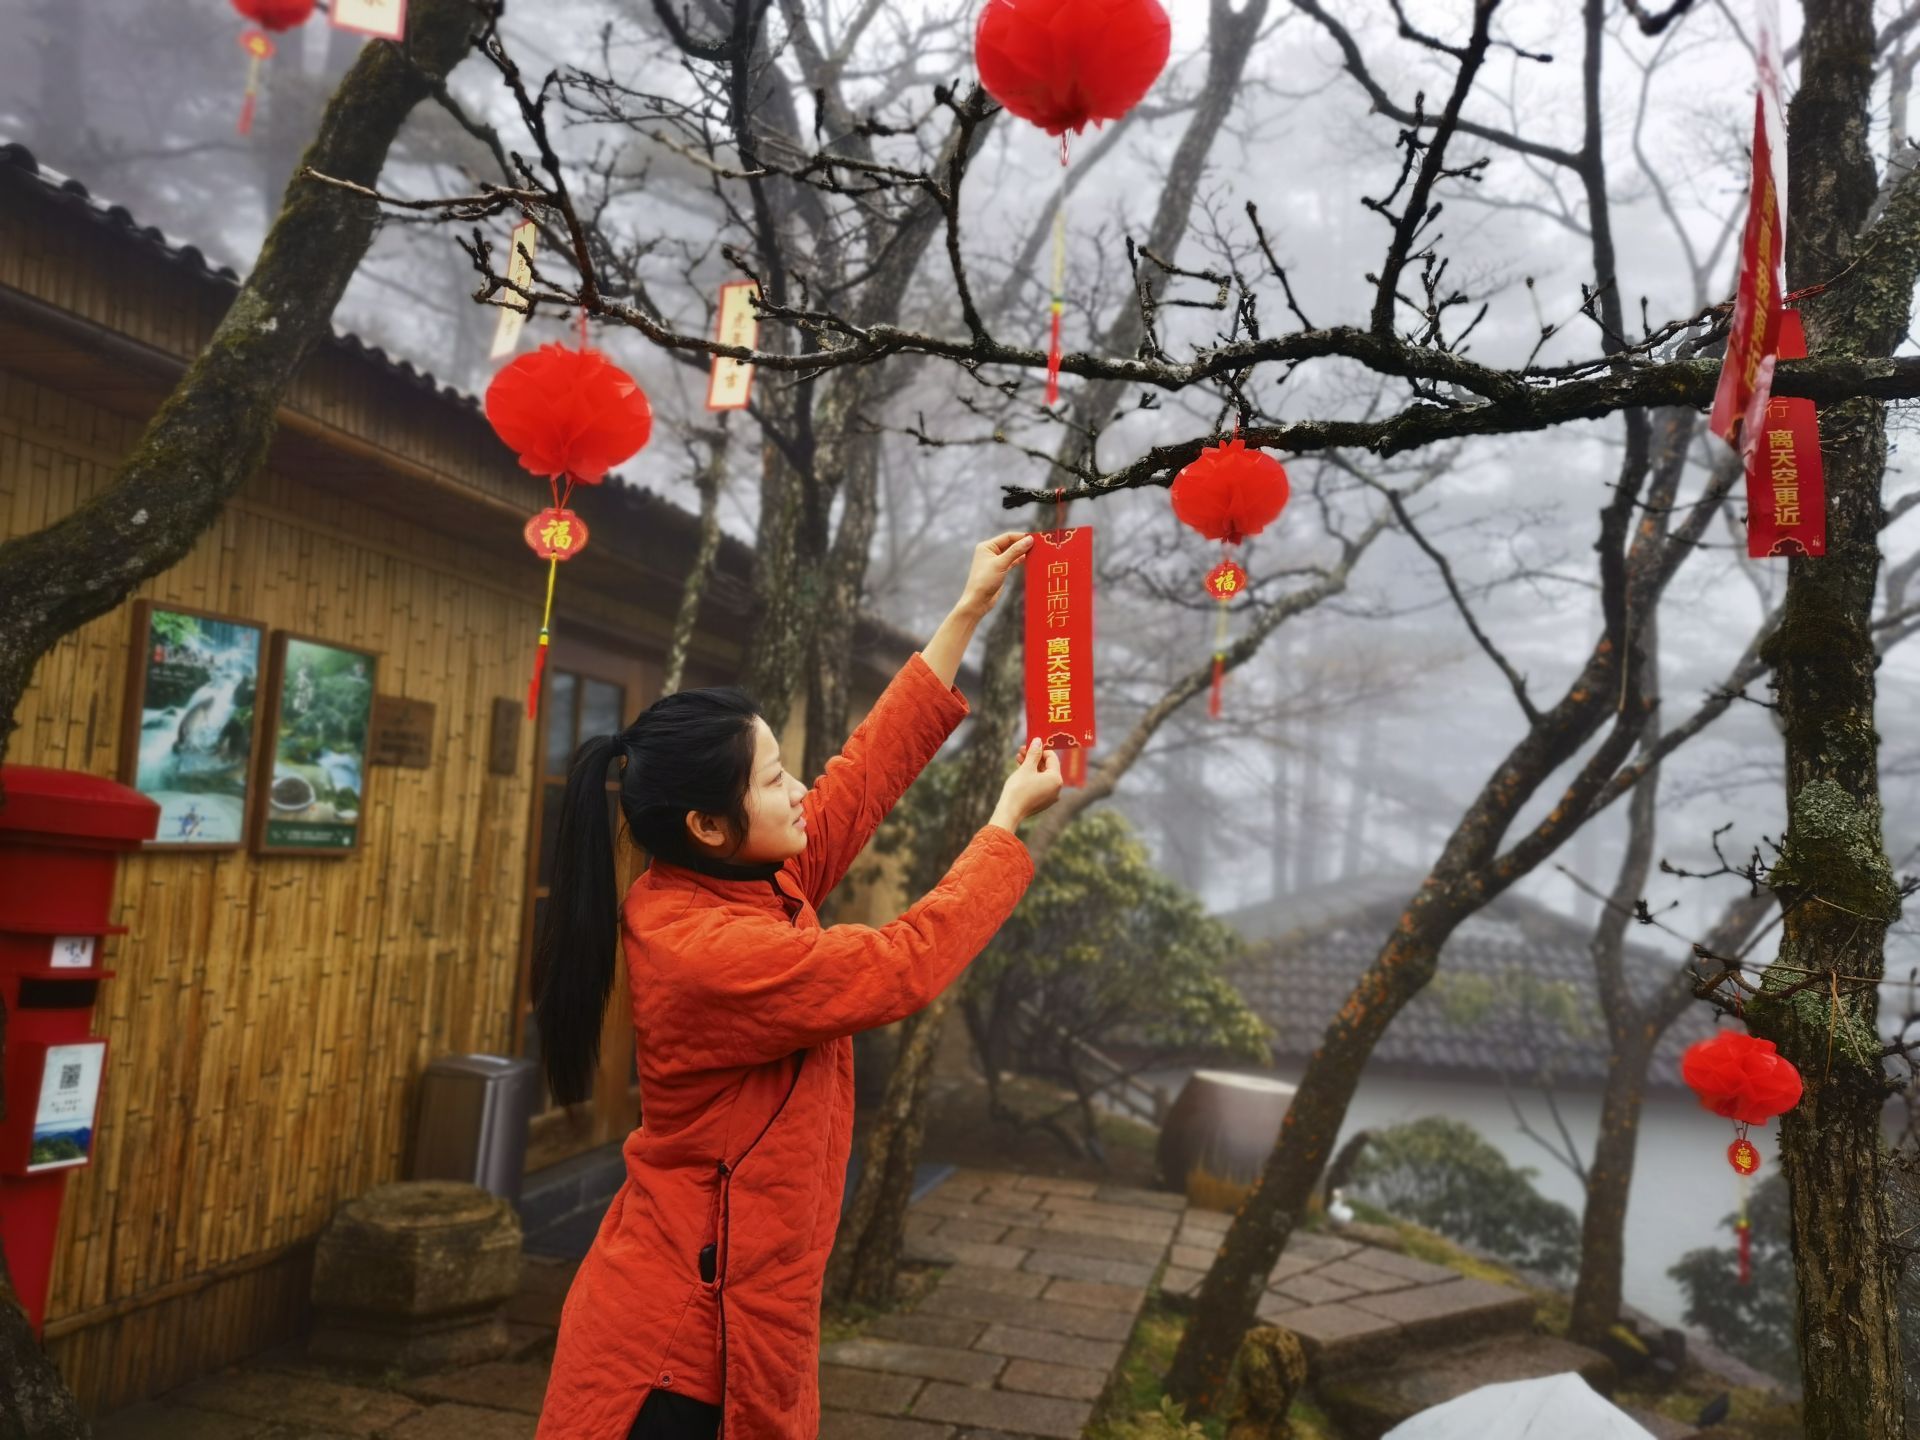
{"x": 776, "y": 829}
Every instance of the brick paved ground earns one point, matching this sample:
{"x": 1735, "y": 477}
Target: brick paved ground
{"x": 1044, "y": 1281}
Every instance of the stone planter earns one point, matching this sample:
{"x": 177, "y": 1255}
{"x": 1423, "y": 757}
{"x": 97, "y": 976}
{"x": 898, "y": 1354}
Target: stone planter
{"x": 415, "y": 1276}
{"x": 1222, "y": 1127}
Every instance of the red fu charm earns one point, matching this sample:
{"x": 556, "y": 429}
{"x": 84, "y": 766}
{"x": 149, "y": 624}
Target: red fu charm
{"x": 1227, "y": 494}
{"x": 1063, "y": 65}
{"x": 572, "y": 415}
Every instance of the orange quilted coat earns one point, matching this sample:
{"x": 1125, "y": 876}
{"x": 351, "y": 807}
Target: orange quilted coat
{"x": 705, "y": 1277}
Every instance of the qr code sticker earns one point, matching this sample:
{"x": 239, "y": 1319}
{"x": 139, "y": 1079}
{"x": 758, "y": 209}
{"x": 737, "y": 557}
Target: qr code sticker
{"x": 69, "y": 1077}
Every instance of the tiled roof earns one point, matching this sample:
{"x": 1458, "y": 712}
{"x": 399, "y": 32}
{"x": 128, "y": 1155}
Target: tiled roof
{"x": 1515, "y": 993}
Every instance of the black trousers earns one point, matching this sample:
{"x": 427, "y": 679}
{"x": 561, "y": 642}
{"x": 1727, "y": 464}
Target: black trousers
{"x": 667, "y": 1416}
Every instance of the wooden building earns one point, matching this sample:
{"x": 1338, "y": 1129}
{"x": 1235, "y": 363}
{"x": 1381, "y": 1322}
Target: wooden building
{"x": 272, "y": 1013}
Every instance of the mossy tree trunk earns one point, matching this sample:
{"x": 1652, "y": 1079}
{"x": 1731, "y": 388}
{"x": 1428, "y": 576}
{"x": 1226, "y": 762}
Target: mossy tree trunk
{"x": 209, "y": 436}
{"x": 1819, "y": 999}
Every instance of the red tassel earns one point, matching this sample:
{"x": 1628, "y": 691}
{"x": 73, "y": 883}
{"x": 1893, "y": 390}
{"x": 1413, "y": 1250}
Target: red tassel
{"x": 1053, "y": 360}
{"x": 246, "y": 114}
{"x": 1219, "y": 684}
{"x": 539, "y": 669}
{"x": 1743, "y": 1229}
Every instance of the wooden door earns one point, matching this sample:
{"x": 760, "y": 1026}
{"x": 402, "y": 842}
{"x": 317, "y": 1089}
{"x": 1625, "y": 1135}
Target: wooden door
{"x": 589, "y": 690}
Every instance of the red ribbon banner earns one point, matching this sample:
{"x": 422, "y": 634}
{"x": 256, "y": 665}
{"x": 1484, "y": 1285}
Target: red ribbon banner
{"x": 1059, "y": 660}
{"x": 1746, "y": 375}
{"x": 1786, "y": 484}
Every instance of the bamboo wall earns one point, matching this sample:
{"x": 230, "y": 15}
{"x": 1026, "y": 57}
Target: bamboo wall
{"x": 270, "y": 1015}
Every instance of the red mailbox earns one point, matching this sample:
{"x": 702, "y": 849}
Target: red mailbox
{"x": 61, "y": 838}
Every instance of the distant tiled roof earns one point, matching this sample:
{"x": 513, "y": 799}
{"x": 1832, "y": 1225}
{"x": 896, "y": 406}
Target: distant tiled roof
{"x": 1515, "y": 993}
{"x": 736, "y": 557}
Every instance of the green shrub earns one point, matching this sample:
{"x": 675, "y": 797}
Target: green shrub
{"x": 1441, "y": 1174}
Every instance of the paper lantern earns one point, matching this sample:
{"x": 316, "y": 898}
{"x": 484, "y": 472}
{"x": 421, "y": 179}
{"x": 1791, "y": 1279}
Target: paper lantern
{"x": 1741, "y": 1077}
{"x": 275, "y": 14}
{"x": 1062, "y": 65}
{"x": 1065, "y": 64}
{"x": 1227, "y": 494}
{"x": 570, "y": 414}
{"x": 1230, "y": 492}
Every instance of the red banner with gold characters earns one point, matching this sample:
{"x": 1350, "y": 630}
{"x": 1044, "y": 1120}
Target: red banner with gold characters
{"x": 1786, "y": 483}
{"x": 1746, "y": 375}
{"x": 1059, "y": 668}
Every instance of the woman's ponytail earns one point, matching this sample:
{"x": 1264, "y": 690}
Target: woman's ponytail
{"x": 575, "y": 950}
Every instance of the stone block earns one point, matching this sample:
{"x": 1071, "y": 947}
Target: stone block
{"x": 1420, "y": 1272}
{"x": 1051, "y": 1185}
{"x": 1155, "y": 1222}
{"x": 1086, "y": 1267}
{"x": 415, "y": 1276}
{"x": 1274, "y": 1304}
{"x": 1009, "y": 1197}
{"x": 974, "y": 1210}
{"x": 1313, "y": 1288}
{"x": 297, "y": 1401}
{"x": 1145, "y": 1234}
{"x": 1319, "y": 1248}
{"x": 174, "y": 1422}
{"x": 1067, "y": 1382}
{"x": 938, "y": 1250}
{"x": 978, "y": 1232}
{"x": 1104, "y": 1247}
{"x": 1051, "y": 1348}
{"x": 1097, "y": 1294}
{"x": 1339, "y": 1337}
{"x": 1024, "y": 1283}
{"x": 1192, "y": 1257}
{"x": 1181, "y": 1282}
{"x": 917, "y": 1329}
{"x": 842, "y": 1388}
{"x": 1004, "y": 1410}
{"x": 1356, "y": 1274}
{"x": 929, "y": 1362}
{"x": 500, "y": 1385}
{"x": 1457, "y": 1310}
{"x": 849, "y": 1425}
{"x": 1145, "y": 1199}
{"x": 1078, "y": 1320}
{"x": 465, "y": 1422}
{"x": 1367, "y": 1403}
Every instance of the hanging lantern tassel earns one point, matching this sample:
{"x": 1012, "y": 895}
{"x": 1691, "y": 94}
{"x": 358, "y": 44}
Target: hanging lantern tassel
{"x": 554, "y": 535}
{"x": 1743, "y": 1234}
{"x": 259, "y": 47}
{"x": 1054, "y": 350}
{"x": 1224, "y": 581}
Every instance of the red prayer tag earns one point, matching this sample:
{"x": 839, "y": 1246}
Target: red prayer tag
{"x": 1786, "y": 483}
{"x": 1742, "y": 1155}
{"x": 556, "y": 534}
{"x": 1059, "y": 644}
{"x": 1225, "y": 581}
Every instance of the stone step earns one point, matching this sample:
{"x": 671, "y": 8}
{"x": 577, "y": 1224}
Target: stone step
{"x": 1366, "y": 1329}
{"x": 1366, "y": 1403}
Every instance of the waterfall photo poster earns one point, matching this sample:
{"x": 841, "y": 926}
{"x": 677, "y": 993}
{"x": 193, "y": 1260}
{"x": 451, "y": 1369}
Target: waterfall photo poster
{"x": 188, "y": 741}
{"x": 312, "y": 778}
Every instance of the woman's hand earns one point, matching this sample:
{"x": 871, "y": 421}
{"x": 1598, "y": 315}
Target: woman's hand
{"x": 1030, "y": 789}
{"x": 992, "y": 561}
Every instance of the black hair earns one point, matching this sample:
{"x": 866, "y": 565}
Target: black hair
{"x": 688, "y": 752}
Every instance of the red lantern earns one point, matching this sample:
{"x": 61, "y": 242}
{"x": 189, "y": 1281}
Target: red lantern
{"x": 1741, "y": 1077}
{"x": 275, "y": 14}
{"x": 1064, "y": 64}
{"x": 1230, "y": 492}
{"x": 1227, "y": 494}
{"x": 572, "y": 415}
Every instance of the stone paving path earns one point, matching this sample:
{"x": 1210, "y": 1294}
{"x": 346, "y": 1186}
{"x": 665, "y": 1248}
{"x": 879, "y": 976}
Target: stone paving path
{"x": 1017, "y": 1340}
{"x": 1021, "y": 1334}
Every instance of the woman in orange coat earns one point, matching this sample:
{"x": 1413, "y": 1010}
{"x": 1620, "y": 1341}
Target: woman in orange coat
{"x": 697, "y": 1311}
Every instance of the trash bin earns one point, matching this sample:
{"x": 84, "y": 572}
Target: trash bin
{"x": 472, "y": 1121}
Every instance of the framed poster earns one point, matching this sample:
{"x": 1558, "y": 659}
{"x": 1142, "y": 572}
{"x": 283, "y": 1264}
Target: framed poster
{"x": 190, "y": 726}
{"x": 69, "y": 1095}
{"x": 313, "y": 760}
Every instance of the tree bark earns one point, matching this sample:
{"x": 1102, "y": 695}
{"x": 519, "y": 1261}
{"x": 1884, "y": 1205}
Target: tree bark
{"x": 212, "y": 432}
{"x": 1819, "y": 1000}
